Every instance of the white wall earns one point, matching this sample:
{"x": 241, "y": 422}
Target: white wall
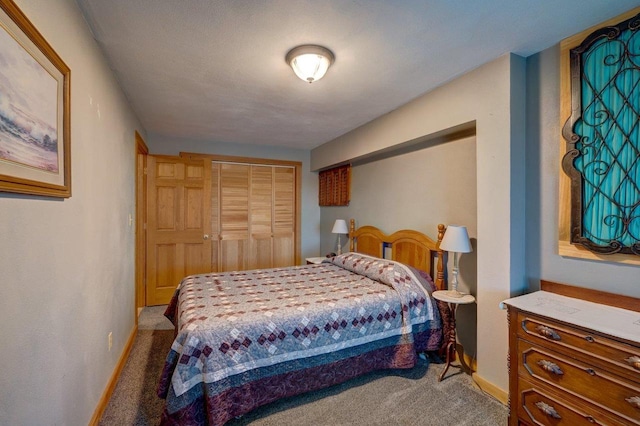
{"x": 310, "y": 215}
{"x": 67, "y": 266}
{"x": 543, "y": 160}
{"x": 492, "y": 96}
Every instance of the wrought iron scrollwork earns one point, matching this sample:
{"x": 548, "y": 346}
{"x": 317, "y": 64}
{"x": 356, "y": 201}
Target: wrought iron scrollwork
{"x": 603, "y": 140}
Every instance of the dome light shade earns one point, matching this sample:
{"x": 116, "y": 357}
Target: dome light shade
{"x": 310, "y": 62}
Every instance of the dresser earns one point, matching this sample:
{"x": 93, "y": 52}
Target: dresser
{"x": 574, "y": 357}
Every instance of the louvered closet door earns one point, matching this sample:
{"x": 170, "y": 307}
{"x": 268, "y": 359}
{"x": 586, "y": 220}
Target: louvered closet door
{"x": 261, "y": 217}
{"x": 178, "y": 229}
{"x": 253, "y": 216}
{"x": 284, "y": 217}
{"x": 234, "y": 216}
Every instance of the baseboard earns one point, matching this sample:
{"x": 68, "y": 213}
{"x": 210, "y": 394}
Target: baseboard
{"x": 470, "y": 362}
{"x": 491, "y": 389}
{"x": 487, "y": 387}
{"x": 111, "y": 385}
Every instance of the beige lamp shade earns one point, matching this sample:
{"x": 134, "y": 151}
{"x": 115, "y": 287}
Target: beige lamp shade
{"x": 456, "y": 239}
{"x": 340, "y": 227}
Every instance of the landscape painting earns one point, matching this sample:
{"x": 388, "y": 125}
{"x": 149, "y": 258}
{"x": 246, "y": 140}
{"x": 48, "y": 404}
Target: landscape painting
{"x": 34, "y": 110}
{"x": 28, "y": 109}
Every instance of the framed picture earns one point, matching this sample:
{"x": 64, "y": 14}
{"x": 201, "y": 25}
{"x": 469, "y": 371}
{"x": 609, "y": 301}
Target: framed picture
{"x": 35, "y": 156}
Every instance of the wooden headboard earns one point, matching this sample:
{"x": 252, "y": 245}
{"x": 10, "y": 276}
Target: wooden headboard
{"x": 410, "y": 247}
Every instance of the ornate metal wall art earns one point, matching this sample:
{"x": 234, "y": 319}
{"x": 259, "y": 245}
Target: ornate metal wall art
{"x": 603, "y": 140}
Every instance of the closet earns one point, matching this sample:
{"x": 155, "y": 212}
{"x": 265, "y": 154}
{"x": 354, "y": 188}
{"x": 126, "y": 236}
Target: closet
{"x": 252, "y": 216}
{"x": 218, "y": 214}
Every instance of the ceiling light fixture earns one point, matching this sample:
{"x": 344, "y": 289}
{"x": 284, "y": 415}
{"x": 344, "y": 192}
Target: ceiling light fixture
{"x": 310, "y": 62}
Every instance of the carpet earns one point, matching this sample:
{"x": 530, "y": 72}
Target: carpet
{"x": 391, "y": 397}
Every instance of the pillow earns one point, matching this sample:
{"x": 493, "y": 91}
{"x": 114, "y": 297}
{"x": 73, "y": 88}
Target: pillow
{"x": 369, "y": 266}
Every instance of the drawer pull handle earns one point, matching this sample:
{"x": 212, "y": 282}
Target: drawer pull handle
{"x": 547, "y": 332}
{"x": 591, "y": 371}
{"x": 590, "y": 419}
{"x": 550, "y": 367}
{"x": 589, "y": 339}
{"x": 548, "y": 410}
{"x": 634, "y": 361}
{"x": 634, "y": 401}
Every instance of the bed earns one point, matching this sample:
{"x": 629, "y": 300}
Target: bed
{"x": 247, "y": 338}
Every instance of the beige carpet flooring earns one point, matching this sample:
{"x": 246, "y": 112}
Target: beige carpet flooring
{"x": 392, "y": 397}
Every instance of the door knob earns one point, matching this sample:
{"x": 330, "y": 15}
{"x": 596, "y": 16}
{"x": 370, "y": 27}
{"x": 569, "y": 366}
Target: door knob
{"x": 205, "y": 237}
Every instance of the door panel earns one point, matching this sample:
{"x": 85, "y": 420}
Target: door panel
{"x": 261, "y": 217}
{"x": 194, "y": 205}
{"x": 284, "y": 217}
{"x": 179, "y": 197}
{"x": 234, "y": 198}
{"x": 261, "y": 249}
{"x": 194, "y": 259}
{"x": 234, "y": 216}
{"x": 165, "y": 272}
{"x": 234, "y": 253}
{"x": 165, "y": 213}
{"x": 215, "y": 217}
{"x": 283, "y": 249}
{"x": 284, "y": 199}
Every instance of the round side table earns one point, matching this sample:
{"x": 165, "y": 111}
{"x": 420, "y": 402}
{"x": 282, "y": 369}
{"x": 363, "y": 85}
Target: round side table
{"x": 453, "y": 302}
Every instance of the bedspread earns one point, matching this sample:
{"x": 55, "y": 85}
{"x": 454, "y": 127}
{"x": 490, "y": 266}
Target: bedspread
{"x": 244, "y": 339}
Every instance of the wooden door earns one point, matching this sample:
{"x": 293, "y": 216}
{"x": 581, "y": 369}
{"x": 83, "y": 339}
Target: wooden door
{"x": 284, "y": 213}
{"x": 261, "y": 217}
{"x": 178, "y": 223}
{"x": 234, "y": 216}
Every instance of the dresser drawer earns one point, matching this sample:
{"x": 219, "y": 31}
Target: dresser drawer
{"x": 596, "y": 386}
{"x": 610, "y": 354}
{"x": 540, "y": 407}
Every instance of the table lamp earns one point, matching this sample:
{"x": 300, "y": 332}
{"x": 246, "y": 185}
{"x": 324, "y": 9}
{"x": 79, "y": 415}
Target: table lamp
{"x": 340, "y": 227}
{"x": 455, "y": 240}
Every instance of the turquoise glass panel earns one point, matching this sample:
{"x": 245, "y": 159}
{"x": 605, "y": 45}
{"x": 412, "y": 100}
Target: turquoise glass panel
{"x": 609, "y": 132}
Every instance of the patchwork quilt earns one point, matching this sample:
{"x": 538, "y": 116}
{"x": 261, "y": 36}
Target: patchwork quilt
{"x": 247, "y": 338}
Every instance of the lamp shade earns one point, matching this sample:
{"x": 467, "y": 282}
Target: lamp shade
{"x": 456, "y": 239}
{"x": 340, "y": 227}
{"x": 310, "y": 62}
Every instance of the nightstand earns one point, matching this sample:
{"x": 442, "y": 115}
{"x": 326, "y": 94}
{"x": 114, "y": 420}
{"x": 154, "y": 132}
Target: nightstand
{"x": 314, "y": 260}
{"x": 453, "y": 303}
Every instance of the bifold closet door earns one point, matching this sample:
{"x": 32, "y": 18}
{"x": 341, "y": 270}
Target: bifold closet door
{"x": 178, "y": 225}
{"x": 253, "y": 212}
{"x": 233, "y": 201}
{"x": 261, "y": 218}
{"x": 284, "y": 229}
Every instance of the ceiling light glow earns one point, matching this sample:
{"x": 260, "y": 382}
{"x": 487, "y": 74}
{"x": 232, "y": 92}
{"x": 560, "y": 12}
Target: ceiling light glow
{"x": 310, "y": 62}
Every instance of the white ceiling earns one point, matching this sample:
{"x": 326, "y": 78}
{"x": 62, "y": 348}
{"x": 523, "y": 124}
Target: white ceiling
{"x": 214, "y": 70}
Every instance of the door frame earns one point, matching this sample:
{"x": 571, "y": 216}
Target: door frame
{"x": 142, "y": 151}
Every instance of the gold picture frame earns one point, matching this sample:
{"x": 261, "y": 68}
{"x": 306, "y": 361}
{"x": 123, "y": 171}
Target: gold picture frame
{"x": 35, "y": 132}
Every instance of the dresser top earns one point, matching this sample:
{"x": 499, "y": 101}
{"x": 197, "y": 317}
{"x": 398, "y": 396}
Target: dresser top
{"x": 617, "y": 322}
